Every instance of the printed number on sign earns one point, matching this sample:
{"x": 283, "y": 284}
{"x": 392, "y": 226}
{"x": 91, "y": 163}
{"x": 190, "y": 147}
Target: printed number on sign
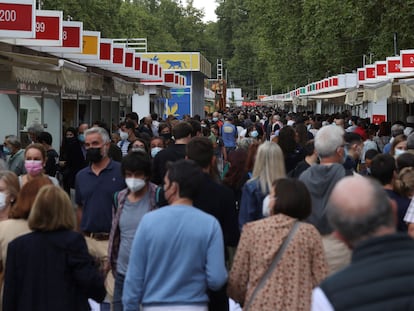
{"x": 40, "y": 27}
{"x": 8, "y": 15}
{"x": 65, "y": 35}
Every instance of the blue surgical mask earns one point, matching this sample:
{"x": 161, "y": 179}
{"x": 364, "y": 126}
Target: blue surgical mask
{"x": 154, "y": 151}
{"x": 215, "y": 119}
{"x": 6, "y": 150}
{"x": 254, "y": 134}
{"x": 398, "y": 152}
{"x": 81, "y": 138}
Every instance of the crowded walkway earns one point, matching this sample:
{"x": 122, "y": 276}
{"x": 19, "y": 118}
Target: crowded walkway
{"x": 243, "y": 209}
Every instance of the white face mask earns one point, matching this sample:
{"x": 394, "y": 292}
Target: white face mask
{"x": 265, "y": 206}
{"x": 3, "y": 198}
{"x": 135, "y": 184}
{"x": 123, "y": 135}
{"x": 398, "y": 152}
{"x": 154, "y": 151}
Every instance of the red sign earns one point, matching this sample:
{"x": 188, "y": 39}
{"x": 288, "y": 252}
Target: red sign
{"x": 145, "y": 66}
{"x": 151, "y": 69}
{"x": 326, "y": 83}
{"x": 381, "y": 70}
{"x": 137, "y": 65}
{"x": 393, "y": 66}
{"x": 361, "y": 74}
{"x": 105, "y": 51}
{"x": 169, "y": 77}
{"x": 47, "y": 27}
{"x": 407, "y": 60}
{"x": 370, "y": 71}
{"x": 129, "y": 60}
{"x": 378, "y": 118}
{"x": 118, "y": 57}
{"x": 16, "y": 16}
{"x": 71, "y": 37}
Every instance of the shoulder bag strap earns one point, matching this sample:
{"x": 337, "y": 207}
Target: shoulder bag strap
{"x": 275, "y": 261}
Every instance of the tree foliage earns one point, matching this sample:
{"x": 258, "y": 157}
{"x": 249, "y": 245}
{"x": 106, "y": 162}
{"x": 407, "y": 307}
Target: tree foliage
{"x": 266, "y": 45}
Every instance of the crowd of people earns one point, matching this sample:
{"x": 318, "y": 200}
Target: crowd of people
{"x": 248, "y": 208}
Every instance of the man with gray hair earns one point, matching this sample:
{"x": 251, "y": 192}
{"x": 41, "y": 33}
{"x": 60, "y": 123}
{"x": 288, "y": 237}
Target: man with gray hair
{"x": 12, "y": 148}
{"x": 320, "y": 180}
{"x": 95, "y": 187}
{"x": 381, "y": 272}
{"x": 396, "y": 129}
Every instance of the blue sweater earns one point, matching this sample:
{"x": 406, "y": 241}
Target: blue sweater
{"x": 177, "y": 254}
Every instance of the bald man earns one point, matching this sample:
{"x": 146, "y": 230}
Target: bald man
{"x": 381, "y": 273}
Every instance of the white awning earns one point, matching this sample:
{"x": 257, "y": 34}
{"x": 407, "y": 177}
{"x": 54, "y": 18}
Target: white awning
{"x": 327, "y": 95}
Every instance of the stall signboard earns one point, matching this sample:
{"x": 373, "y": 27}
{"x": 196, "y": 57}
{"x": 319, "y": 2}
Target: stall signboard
{"x": 393, "y": 65}
{"x": 105, "y": 51}
{"x": 91, "y": 44}
{"x": 49, "y": 29}
{"x": 72, "y": 38}
{"x": 407, "y": 60}
{"x": 381, "y": 69}
{"x": 370, "y": 72}
{"x": 17, "y": 18}
{"x": 378, "y": 118}
{"x": 361, "y": 74}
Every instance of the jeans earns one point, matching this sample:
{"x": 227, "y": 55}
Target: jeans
{"x": 118, "y": 290}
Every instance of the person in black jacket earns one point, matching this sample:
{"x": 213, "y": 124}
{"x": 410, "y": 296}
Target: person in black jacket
{"x": 50, "y": 268}
{"x": 72, "y": 159}
{"x": 380, "y": 276}
{"x": 182, "y": 135}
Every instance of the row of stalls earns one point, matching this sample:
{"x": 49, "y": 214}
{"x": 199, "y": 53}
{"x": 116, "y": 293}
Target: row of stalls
{"x": 383, "y": 91}
{"x": 56, "y": 74}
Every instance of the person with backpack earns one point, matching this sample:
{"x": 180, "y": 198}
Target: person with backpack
{"x": 129, "y": 206}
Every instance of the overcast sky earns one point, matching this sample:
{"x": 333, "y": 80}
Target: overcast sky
{"x": 208, "y": 6}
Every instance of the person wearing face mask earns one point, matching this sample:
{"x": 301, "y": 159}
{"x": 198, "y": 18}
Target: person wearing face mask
{"x": 130, "y": 205}
{"x": 399, "y": 145}
{"x": 164, "y": 131}
{"x": 185, "y": 247}
{"x": 9, "y": 189}
{"x": 157, "y": 144}
{"x": 34, "y": 162}
{"x": 94, "y": 189}
{"x": 71, "y": 160}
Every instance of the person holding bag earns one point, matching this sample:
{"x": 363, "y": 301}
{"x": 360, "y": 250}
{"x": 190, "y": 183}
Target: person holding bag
{"x": 279, "y": 260}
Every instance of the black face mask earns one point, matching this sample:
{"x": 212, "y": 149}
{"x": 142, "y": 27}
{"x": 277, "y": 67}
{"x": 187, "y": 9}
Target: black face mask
{"x": 166, "y": 136}
{"x": 71, "y": 140}
{"x": 93, "y": 155}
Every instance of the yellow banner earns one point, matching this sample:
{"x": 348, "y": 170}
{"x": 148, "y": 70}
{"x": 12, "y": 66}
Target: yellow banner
{"x": 90, "y": 45}
{"x": 176, "y": 61}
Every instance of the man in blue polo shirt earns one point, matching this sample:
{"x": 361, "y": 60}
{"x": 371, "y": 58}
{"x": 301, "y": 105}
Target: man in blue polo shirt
{"x": 95, "y": 187}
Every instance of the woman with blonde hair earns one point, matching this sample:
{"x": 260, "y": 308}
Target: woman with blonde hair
{"x": 17, "y": 225}
{"x": 268, "y": 166}
{"x": 50, "y": 268}
{"x": 279, "y": 260}
{"x": 9, "y": 189}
